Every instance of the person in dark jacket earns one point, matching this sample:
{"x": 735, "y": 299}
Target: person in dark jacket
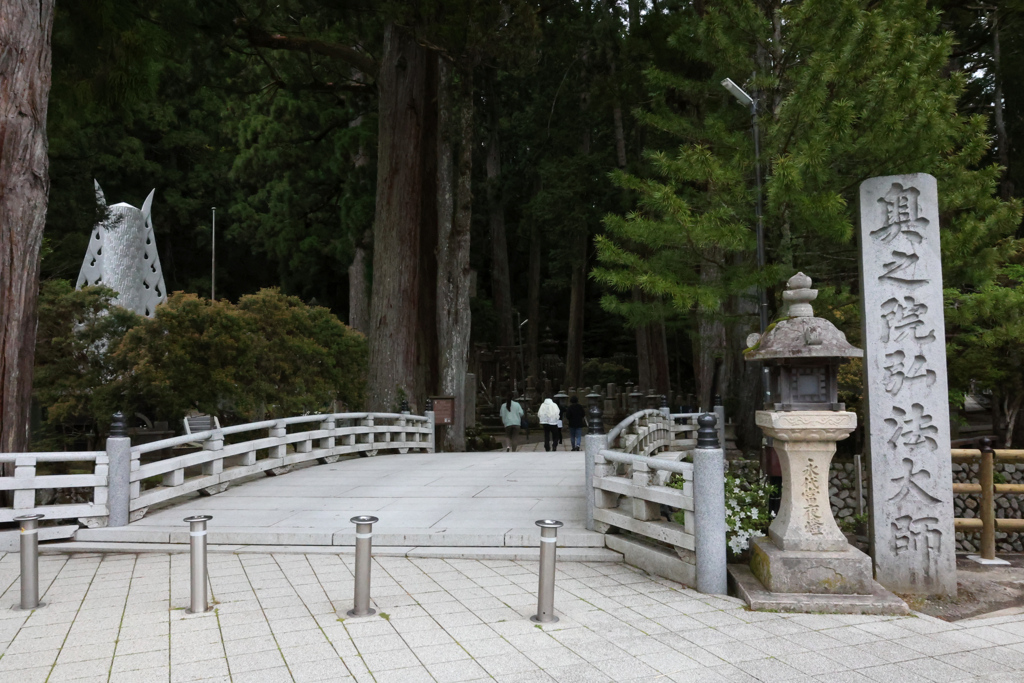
{"x": 576, "y": 417}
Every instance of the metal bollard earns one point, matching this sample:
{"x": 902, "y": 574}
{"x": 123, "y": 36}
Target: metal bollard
{"x": 197, "y": 545}
{"x": 546, "y": 589}
{"x": 364, "y": 544}
{"x": 29, "y": 561}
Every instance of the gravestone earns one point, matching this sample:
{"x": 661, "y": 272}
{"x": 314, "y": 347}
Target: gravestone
{"x": 905, "y": 368}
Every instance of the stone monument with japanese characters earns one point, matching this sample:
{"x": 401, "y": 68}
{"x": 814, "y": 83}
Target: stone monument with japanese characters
{"x": 907, "y": 399}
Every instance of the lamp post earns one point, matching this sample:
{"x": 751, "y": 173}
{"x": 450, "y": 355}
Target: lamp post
{"x": 748, "y": 101}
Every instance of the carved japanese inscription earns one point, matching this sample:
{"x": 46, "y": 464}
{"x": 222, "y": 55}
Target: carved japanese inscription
{"x": 905, "y": 366}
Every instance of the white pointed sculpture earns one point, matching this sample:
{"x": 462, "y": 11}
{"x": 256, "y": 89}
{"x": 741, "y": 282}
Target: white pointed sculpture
{"x": 122, "y": 255}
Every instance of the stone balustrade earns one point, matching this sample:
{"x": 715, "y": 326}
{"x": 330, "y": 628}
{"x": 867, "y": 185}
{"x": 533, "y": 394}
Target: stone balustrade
{"x": 272, "y": 447}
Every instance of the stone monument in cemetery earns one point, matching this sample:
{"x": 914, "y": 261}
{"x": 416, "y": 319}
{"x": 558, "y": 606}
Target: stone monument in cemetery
{"x": 806, "y": 563}
{"x": 122, "y": 255}
{"x": 907, "y": 399}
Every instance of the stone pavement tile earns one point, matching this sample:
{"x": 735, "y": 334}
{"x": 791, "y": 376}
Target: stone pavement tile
{"x": 934, "y": 670}
{"x": 97, "y": 669}
{"x": 706, "y": 636}
{"x": 416, "y": 674}
{"x": 770, "y": 670}
{"x": 368, "y": 627}
{"x": 464, "y": 634}
{"x": 733, "y": 653}
{"x": 247, "y": 645}
{"x": 775, "y": 646}
{"x": 848, "y": 635}
{"x": 815, "y": 640}
{"x": 489, "y": 646}
{"x": 438, "y": 654}
{"x": 1007, "y": 656}
{"x": 245, "y": 631}
{"x": 322, "y": 670}
{"x": 924, "y": 624}
{"x": 584, "y": 673}
{"x": 893, "y": 673}
{"x": 278, "y": 674}
{"x": 130, "y": 647}
{"x": 85, "y": 653}
{"x": 536, "y": 676}
{"x": 889, "y": 651}
{"x": 390, "y": 659}
{"x": 532, "y": 641}
{"x": 457, "y": 671}
{"x": 943, "y": 643}
{"x": 666, "y": 663}
{"x": 83, "y": 637}
{"x": 145, "y": 631}
{"x": 153, "y": 675}
{"x": 844, "y": 677}
{"x": 779, "y": 627}
{"x": 994, "y": 635}
{"x": 501, "y": 665}
{"x": 141, "y": 660}
{"x": 553, "y": 657}
{"x": 972, "y": 663}
{"x": 195, "y": 653}
{"x": 853, "y": 657}
{"x": 37, "y": 674}
{"x": 253, "y": 661}
{"x": 812, "y": 663}
{"x": 21, "y": 645}
{"x": 624, "y": 668}
{"x": 382, "y": 643}
{"x": 10, "y": 664}
{"x": 309, "y": 653}
{"x": 428, "y": 638}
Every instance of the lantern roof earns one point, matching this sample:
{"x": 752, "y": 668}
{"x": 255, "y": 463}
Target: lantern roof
{"x": 799, "y": 334}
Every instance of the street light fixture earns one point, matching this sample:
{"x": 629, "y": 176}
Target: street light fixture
{"x": 747, "y": 101}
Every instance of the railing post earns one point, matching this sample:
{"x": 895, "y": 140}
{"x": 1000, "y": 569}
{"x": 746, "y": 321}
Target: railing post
{"x": 988, "y": 512}
{"x": 546, "y": 575}
{"x": 719, "y": 411}
{"x": 593, "y": 442}
{"x": 29, "y": 561}
{"x": 197, "y": 571}
{"x": 119, "y": 471}
{"x": 364, "y": 547}
{"x": 709, "y": 509}
{"x": 429, "y": 413}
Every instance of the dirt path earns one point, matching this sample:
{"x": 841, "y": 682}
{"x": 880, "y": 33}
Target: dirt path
{"x": 981, "y": 590}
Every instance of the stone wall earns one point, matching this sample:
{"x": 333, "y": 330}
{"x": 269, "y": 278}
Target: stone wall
{"x": 842, "y": 489}
{"x": 843, "y": 496}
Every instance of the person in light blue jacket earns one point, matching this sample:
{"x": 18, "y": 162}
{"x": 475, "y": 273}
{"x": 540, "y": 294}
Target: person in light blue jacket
{"x": 511, "y": 416}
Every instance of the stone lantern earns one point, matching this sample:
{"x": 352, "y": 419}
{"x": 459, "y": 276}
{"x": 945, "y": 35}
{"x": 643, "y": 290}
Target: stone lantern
{"x": 805, "y": 552}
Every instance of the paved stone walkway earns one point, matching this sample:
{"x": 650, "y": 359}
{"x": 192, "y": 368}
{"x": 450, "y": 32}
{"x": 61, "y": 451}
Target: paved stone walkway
{"x": 422, "y": 499}
{"x": 121, "y": 618}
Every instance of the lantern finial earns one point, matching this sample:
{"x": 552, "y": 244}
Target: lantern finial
{"x": 799, "y": 296}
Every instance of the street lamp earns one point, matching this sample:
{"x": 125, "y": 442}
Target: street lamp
{"x": 748, "y": 101}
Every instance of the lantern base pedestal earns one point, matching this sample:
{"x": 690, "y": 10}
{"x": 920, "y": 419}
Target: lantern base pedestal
{"x": 744, "y": 585}
{"x": 837, "y": 572}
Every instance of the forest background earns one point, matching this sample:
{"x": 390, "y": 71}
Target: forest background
{"x": 578, "y": 159}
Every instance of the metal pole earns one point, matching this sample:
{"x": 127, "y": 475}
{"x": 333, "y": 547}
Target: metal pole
{"x": 364, "y": 540}
{"x": 197, "y": 545}
{"x": 29, "y": 561}
{"x": 546, "y": 590}
{"x": 761, "y": 258}
{"x": 988, "y": 512}
{"x": 213, "y": 256}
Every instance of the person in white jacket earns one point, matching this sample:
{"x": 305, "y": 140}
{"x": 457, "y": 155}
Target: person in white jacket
{"x": 549, "y": 414}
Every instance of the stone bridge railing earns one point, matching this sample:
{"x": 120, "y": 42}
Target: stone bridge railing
{"x": 627, "y": 475}
{"x": 121, "y": 487}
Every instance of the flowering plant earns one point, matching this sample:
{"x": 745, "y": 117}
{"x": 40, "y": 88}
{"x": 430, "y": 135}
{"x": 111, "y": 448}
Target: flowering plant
{"x": 746, "y": 511}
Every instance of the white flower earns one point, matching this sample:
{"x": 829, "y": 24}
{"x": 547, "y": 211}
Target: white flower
{"x": 754, "y": 513}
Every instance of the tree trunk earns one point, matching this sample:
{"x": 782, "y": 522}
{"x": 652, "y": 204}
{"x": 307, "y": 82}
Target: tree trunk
{"x": 533, "y": 306}
{"x": 501, "y": 286}
{"x": 394, "y": 328}
{"x": 24, "y": 189}
{"x": 657, "y": 358}
{"x": 454, "y": 185}
{"x": 358, "y": 294}
{"x": 1002, "y": 138}
{"x": 577, "y": 300}
{"x": 710, "y": 336}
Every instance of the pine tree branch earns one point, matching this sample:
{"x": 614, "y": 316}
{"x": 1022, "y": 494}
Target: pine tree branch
{"x": 276, "y": 41}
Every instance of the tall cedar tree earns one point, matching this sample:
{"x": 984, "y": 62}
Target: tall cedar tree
{"x": 847, "y": 90}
